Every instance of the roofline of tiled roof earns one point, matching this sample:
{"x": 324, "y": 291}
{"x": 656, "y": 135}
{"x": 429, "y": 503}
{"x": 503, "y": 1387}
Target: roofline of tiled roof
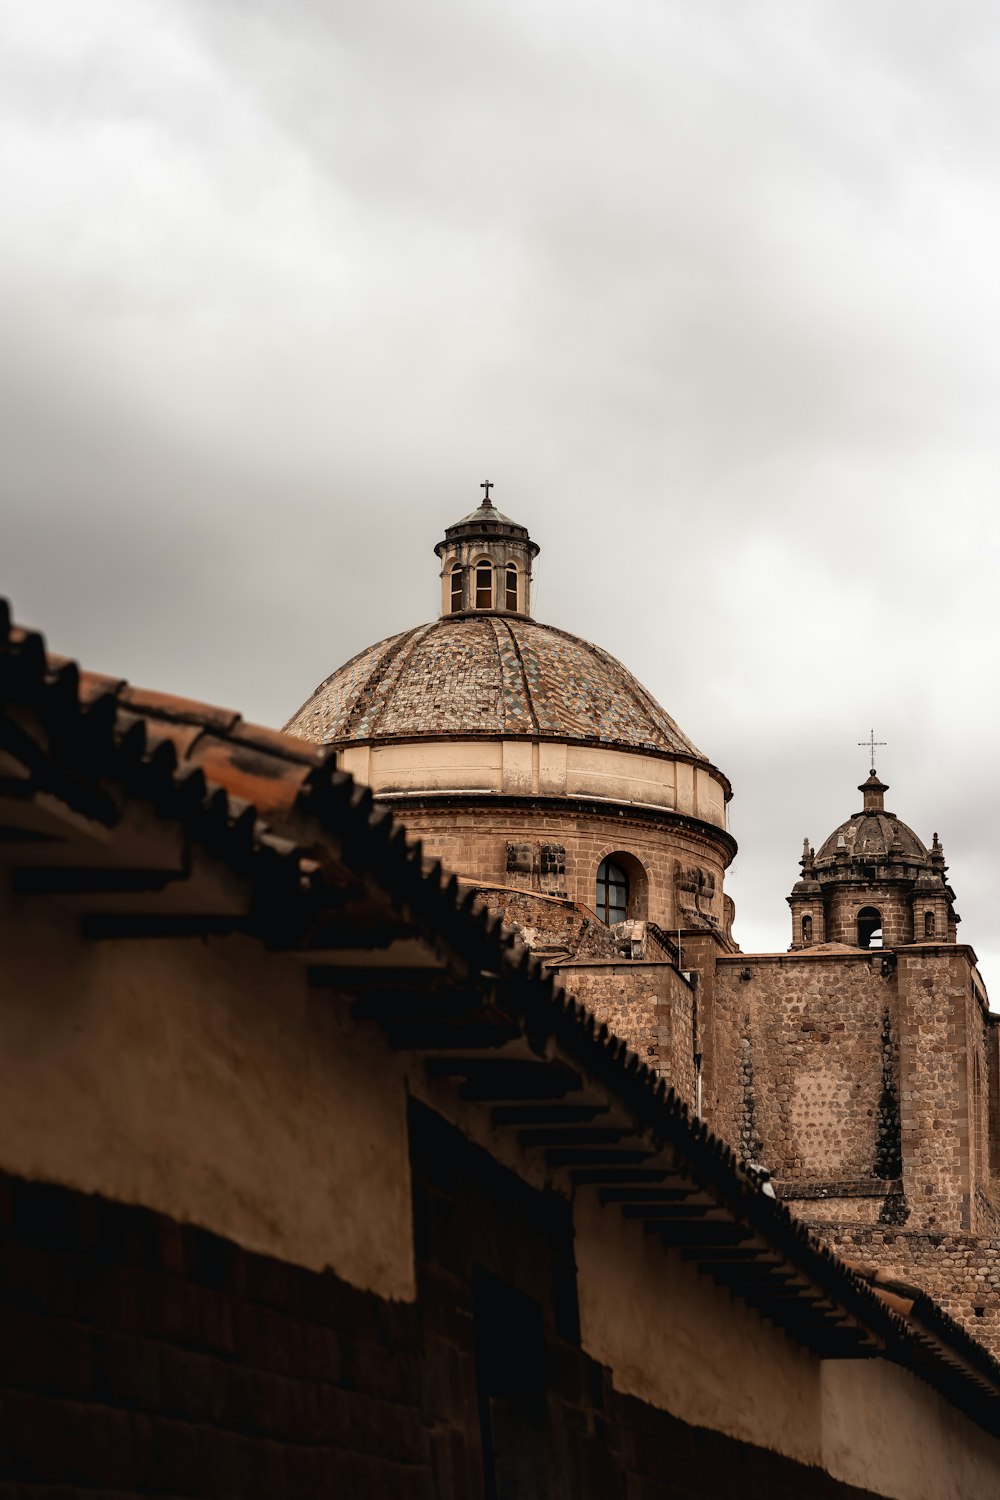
{"x": 265, "y": 802}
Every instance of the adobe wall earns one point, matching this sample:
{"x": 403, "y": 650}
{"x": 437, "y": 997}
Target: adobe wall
{"x": 868, "y": 1423}
{"x": 203, "y": 1079}
{"x": 141, "y": 1355}
{"x": 803, "y": 1075}
{"x": 556, "y": 850}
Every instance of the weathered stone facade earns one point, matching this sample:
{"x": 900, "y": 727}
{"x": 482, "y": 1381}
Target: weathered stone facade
{"x": 481, "y": 842}
{"x": 860, "y": 1068}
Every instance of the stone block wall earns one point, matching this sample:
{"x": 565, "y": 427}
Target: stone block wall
{"x": 863, "y": 1081}
{"x": 893, "y": 902}
{"x": 804, "y": 1067}
{"x": 944, "y": 1101}
{"x": 683, "y": 874}
{"x": 650, "y": 1006}
{"x": 960, "y": 1271}
{"x": 545, "y": 922}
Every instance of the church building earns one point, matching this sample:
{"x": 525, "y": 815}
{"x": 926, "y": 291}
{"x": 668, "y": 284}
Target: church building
{"x": 422, "y": 1133}
{"x": 860, "y": 1068}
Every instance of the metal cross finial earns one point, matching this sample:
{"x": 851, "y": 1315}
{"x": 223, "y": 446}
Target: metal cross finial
{"x": 872, "y": 743}
{"x": 486, "y": 485}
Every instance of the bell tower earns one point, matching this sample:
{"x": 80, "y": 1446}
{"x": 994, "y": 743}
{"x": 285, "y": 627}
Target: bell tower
{"x": 873, "y": 884}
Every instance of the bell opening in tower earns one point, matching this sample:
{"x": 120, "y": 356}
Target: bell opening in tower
{"x": 869, "y": 927}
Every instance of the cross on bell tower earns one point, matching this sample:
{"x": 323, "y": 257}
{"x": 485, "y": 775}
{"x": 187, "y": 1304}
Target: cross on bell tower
{"x": 873, "y": 745}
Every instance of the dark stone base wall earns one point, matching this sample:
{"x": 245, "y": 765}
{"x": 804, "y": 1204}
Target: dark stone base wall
{"x": 142, "y": 1357}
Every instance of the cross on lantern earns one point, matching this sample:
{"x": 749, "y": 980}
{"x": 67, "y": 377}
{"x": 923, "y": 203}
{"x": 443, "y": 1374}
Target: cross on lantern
{"x": 487, "y": 485}
{"x": 872, "y": 743}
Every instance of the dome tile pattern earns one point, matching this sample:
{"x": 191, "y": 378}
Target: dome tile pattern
{"x": 874, "y": 835}
{"x": 488, "y": 675}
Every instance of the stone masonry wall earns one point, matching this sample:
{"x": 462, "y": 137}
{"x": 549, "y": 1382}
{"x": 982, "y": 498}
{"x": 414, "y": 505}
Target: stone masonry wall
{"x": 803, "y": 1075}
{"x": 960, "y": 1271}
{"x": 944, "y": 1114}
{"x": 473, "y": 841}
{"x": 545, "y": 922}
{"x": 892, "y": 902}
{"x": 649, "y": 1006}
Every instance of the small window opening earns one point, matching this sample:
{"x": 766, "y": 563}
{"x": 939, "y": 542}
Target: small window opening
{"x": 484, "y": 585}
{"x": 869, "y": 927}
{"x": 928, "y": 924}
{"x": 511, "y": 586}
{"x": 456, "y": 589}
{"x": 807, "y": 929}
{"x": 612, "y": 892}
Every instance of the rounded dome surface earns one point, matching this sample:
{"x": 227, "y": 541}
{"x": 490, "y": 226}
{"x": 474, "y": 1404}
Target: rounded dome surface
{"x": 873, "y": 835}
{"x": 488, "y": 674}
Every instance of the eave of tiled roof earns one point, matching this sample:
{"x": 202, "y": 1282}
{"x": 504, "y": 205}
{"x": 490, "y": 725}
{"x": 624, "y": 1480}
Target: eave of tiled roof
{"x": 304, "y": 840}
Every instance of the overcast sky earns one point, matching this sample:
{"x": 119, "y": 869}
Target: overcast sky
{"x": 710, "y": 292}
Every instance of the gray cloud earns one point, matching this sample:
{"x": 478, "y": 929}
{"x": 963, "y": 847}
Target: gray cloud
{"x": 709, "y": 292}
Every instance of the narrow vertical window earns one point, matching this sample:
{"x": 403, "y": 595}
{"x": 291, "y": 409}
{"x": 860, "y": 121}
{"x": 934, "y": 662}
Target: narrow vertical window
{"x": 456, "y": 589}
{"x": 511, "y": 586}
{"x": 484, "y": 585}
{"x": 928, "y": 924}
{"x": 807, "y": 929}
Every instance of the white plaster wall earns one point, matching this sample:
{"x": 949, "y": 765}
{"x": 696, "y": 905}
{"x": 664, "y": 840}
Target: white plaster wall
{"x": 205, "y": 1080}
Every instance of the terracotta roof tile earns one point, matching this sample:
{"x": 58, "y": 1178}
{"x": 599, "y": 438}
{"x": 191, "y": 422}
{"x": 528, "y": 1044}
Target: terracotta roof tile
{"x": 187, "y": 710}
{"x": 94, "y": 685}
{"x": 270, "y": 783}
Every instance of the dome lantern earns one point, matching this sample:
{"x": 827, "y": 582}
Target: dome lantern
{"x": 874, "y": 793}
{"x": 486, "y": 563}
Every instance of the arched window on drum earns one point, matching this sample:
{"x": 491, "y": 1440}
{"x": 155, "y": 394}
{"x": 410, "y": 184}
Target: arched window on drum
{"x": 484, "y": 585}
{"x": 612, "y": 892}
{"x": 456, "y": 588}
{"x": 510, "y": 586}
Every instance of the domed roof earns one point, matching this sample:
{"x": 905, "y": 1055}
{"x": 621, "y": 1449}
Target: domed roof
{"x": 488, "y": 675}
{"x": 874, "y": 835}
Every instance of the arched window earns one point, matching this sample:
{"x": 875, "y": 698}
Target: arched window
{"x": 928, "y": 924}
{"x": 456, "y": 589}
{"x": 612, "y": 892}
{"x": 869, "y": 927}
{"x": 807, "y": 929}
{"x": 511, "y": 591}
{"x": 484, "y": 585}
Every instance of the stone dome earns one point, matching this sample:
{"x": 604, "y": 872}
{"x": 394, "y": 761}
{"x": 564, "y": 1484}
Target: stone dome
{"x": 875, "y": 836}
{"x": 489, "y": 675}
